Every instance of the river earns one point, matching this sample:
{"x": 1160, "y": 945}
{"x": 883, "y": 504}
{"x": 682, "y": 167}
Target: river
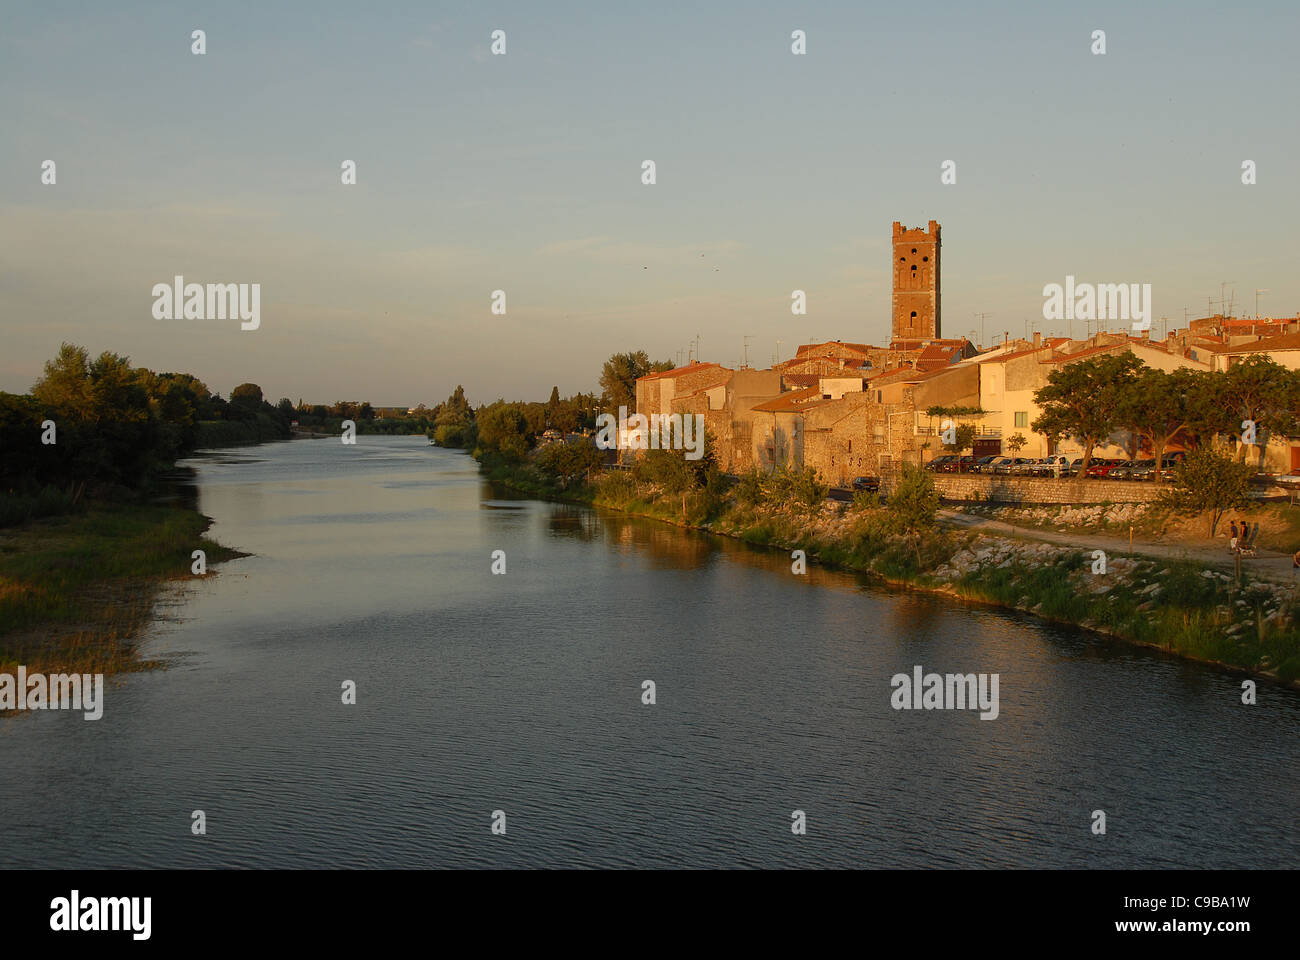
{"x": 522, "y": 693}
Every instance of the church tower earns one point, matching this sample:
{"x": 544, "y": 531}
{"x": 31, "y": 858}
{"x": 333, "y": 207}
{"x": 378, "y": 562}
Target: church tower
{"x": 916, "y": 283}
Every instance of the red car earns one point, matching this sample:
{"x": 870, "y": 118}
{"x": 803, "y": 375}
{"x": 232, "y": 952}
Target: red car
{"x": 1100, "y": 468}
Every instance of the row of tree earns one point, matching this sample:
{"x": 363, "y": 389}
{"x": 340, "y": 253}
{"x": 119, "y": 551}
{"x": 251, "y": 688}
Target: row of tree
{"x": 1093, "y": 400}
{"x": 89, "y": 424}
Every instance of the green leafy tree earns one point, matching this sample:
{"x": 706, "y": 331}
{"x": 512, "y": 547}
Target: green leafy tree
{"x": 1083, "y": 399}
{"x": 1259, "y": 390}
{"x": 619, "y": 376}
{"x": 1160, "y": 406}
{"x": 1208, "y": 482}
{"x": 247, "y": 395}
{"x": 503, "y": 429}
{"x": 567, "y": 463}
{"x": 675, "y": 473}
{"x": 1016, "y": 443}
{"x": 913, "y": 504}
{"x": 65, "y": 384}
{"x": 963, "y": 439}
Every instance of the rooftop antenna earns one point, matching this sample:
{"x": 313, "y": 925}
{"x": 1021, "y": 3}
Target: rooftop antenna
{"x": 1223, "y": 300}
{"x": 981, "y": 317}
{"x": 746, "y": 339}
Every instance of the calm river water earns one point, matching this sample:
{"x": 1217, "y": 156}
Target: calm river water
{"x": 522, "y": 693}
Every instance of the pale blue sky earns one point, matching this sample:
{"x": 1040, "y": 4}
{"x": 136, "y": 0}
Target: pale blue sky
{"x": 522, "y": 172}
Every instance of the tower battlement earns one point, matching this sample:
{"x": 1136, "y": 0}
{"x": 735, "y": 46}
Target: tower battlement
{"x": 916, "y": 307}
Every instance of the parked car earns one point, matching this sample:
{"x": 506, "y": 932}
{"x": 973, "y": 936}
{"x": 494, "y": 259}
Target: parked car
{"x": 1075, "y": 466}
{"x": 1028, "y": 467}
{"x": 1169, "y": 464}
{"x": 869, "y": 484}
{"x": 1047, "y": 467}
{"x": 937, "y": 463}
{"x": 1102, "y": 466}
{"x": 979, "y": 465}
{"x": 1143, "y": 470}
{"x": 952, "y": 466}
{"x": 994, "y": 463}
{"x": 1122, "y": 470}
{"x": 1012, "y": 466}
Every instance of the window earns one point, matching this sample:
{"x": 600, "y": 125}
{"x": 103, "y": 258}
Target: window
{"x": 1022, "y": 418}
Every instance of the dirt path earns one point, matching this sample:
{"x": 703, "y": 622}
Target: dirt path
{"x": 1268, "y": 564}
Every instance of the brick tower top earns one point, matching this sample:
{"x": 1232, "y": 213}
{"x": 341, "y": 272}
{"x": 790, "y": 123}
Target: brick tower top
{"x": 916, "y": 306}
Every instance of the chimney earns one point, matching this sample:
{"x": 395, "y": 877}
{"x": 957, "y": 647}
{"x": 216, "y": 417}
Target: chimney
{"x": 1038, "y": 339}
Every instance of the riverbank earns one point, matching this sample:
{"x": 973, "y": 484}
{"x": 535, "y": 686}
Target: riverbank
{"x": 77, "y": 590}
{"x": 1171, "y": 604}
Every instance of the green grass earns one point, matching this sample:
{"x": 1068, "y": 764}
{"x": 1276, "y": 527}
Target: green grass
{"x": 76, "y": 590}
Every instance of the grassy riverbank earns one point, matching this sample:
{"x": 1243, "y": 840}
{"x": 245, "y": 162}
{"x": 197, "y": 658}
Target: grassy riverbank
{"x": 1173, "y": 605}
{"x": 76, "y": 590}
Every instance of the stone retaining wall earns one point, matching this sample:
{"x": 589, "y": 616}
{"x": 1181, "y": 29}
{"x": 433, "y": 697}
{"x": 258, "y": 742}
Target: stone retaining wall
{"x": 1001, "y": 489}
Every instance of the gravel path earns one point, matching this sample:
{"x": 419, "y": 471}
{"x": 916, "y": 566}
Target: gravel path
{"x": 1268, "y": 564}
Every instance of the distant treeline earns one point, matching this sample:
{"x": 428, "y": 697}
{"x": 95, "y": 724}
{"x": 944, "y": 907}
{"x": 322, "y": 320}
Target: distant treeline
{"x": 389, "y": 421}
{"x": 509, "y": 429}
{"x": 100, "y": 428}
{"x": 506, "y": 431}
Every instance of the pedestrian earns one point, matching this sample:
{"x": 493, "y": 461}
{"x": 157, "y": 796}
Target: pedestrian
{"x": 1232, "y": 543}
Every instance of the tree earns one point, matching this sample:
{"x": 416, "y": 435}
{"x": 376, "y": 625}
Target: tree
{"x": 65, "y": 384}
{"x": 1083, "y": 399}
{"x": 1210, "y": 482}
{"x": 1159, "y": 406}
{"x": 1260, "y": 391}
{"x": 619, "y": 376}
{"x": 675, "y": 473}
{"x": 568, "y": 462}
{"x": 913, "y": 504}
{"x": 453, "y": 422}
{"x": 503, "y": 429}
{"x": 963, "y": 439}
{"x": 248, "y": 396}
{"x": 1017, "y": 443}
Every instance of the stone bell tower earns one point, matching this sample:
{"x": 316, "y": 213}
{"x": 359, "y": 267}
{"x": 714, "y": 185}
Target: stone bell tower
{"x": 916, "y": 283}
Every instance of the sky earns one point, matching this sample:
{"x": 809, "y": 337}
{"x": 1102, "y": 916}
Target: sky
{"x": 522, "y": 172}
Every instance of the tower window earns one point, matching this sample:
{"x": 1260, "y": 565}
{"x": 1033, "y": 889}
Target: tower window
{"x": 925, "y": 259}
{"x": 914, "y": 268}
{"x": 913, "y": 314}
